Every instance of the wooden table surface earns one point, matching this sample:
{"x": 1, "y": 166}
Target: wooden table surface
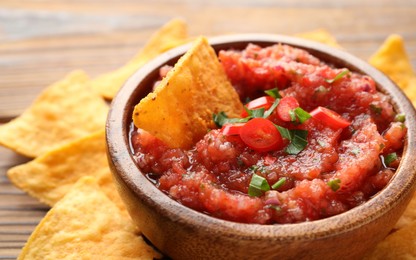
{"x": 41, "y": 41}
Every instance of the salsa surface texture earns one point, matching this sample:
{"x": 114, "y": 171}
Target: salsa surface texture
{"x": 326, "y": 164}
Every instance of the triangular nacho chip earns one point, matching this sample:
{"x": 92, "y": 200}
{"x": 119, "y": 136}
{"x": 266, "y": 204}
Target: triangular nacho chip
{"x": 320, "y": 35}
{"x": 392, "y": 59}
{"x": 50, "y": 176}
{"x": 65, "y": 111}
{"x": 85, "y": 224}
{"x": 180, "y": 110}
{"x": 408, "y": 216}
{"x": 171, "y": 35}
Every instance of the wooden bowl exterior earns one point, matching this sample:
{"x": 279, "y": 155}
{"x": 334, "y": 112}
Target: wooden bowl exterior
{"x": 183, "y": 233}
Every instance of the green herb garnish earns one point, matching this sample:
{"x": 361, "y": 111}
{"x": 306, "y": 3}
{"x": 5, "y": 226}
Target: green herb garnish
{"x": 400, "y": 118}
{"x": 279, "y": 183}
{"x": 389, "y": 158}
{"x": 258, "y": 185}
{"x": 297, "y": 138}
{"x": 334, "y": 184}
{"x": 272, "y": 108}
{"x": 274, "y": 93}
{"x": 284, "y": 132}
{"x": 254, "y": 113}
{"x": 338, "y": 76}
{"x": 298, "y": 142}
{"x": 221, "y": 119}
{"x": 301, "y": 115}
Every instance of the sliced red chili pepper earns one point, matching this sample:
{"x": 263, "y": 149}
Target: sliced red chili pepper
{"x": 262, "y": 102}
{"x": 232, "y": 129}
{"x": 261, "y": 135}
{"x": 329, "y": 118}
{"x": 285, "y": 107}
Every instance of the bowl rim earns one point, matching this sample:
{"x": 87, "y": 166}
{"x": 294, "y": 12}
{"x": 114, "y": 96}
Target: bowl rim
{"x": 119, "y": 153}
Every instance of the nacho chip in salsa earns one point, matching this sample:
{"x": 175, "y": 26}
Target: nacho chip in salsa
{"x": 180, "y": 110}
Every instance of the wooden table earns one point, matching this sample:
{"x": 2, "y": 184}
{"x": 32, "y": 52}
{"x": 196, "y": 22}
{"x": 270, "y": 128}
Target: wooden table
{"x": 41, "y": 41}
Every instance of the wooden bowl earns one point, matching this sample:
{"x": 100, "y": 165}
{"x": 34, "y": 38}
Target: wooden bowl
{"x": 182, "y": 233}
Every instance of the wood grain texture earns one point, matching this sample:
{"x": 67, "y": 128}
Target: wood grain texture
{"x": 41, "y": 41}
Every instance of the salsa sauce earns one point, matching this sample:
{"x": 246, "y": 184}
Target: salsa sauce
{"x": 344, "y": 142}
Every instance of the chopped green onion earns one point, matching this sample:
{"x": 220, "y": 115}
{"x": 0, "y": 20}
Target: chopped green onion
{"x": 274, "y": 93}
{"x": 279, "y": 183}
{"x": 254, "y": 113}
{"x": 221, "y": 119}
{"x": 400, "y": 118}
{"x": 301, "y": 114}
{"x": 272, "y": 108}
{"x": 298, "y": 142}
{"x": 334, "y": 184}
{"x": 389, "y": 158}
{"x": 338, "y": 76}
{"x": 257, "y": 186}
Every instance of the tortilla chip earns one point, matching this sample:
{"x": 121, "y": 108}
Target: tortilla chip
{"x": 321, "y": 36}
{"x": 169, "y": 36}
{"x": 85, "y": 224}
{"x": 408, "y": 216}
{"x": 65, "y": 111}
{"x": 398, "y": 245}
{"x": 392, "y": 59}
{"x": 179, "y": 111}
{"x": 50, "y": 176}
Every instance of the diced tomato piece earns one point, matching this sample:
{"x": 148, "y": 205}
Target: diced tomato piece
{"x": 232, "y": 129}
{"x": 329, "y": 118}
{"x": 285, "y": 106}
{"x": 261, "y": 135}
{"x": 262, "y": 102}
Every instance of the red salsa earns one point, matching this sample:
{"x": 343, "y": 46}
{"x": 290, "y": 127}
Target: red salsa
{"x": 313, "y": 141}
